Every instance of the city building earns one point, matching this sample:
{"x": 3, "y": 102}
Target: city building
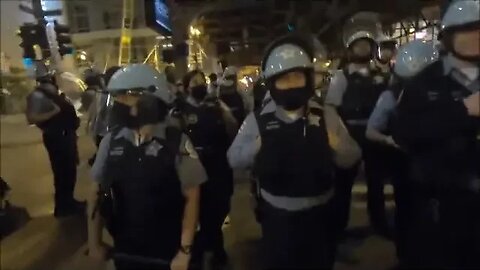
{"x": 96, "y": 31}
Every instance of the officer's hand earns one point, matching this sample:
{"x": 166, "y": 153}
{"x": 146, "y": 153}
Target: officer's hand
{"x": 472, "y": 103}
{"x": 389, "y": 141}
{"x": 98, "y": 252}
{"x": 180, "y": 262}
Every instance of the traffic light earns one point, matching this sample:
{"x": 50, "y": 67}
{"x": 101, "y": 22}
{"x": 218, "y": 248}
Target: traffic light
{"x": 28, "y": 34}
{"x": 42, "y": 40}
{"x": 63, "y": 38}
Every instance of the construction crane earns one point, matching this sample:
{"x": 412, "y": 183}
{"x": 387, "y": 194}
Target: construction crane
{"x": 126, "y": 36}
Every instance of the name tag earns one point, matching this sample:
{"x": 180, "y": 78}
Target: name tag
{"x": 117, "y": 151}
{"x": 273, "y": 125}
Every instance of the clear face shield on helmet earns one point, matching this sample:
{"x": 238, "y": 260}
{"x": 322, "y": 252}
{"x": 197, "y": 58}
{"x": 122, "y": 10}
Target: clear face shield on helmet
{"x": 359, "y": 35}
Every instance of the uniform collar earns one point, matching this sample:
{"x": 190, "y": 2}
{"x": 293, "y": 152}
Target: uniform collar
{"x": 281, "y": 114}
{"x": 159, "y": 131}
{"x": 450, "y": 69}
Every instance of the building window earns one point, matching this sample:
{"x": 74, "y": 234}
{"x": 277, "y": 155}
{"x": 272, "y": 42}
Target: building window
{"x": 80, "y": 18}
{"x": 139, "y": 50}
{"x": 412, "y": 30}
{"x": 112, "y": 19}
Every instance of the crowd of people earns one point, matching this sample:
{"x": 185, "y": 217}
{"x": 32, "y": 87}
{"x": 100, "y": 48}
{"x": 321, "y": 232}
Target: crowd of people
{"x": 167, "y": 148}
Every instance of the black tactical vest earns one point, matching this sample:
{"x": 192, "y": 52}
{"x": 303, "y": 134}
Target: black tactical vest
{"x": 235, "y": 102}
{"x": 66, "y": 119}
{"x": 358, "y": 102}
{"x": 207, "y": 131}
{"x": 295, "y": 159}
{"x": 455, "y": 164}
{"x": 148, "y": 203}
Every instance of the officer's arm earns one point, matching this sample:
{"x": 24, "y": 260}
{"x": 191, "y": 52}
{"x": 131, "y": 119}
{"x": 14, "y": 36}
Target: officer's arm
{"x": 191, "y": 174}
{"x": 423, "y": 122}
{"x": 378, "y": 121}
{"x": 242, "y": 152}
{"x": 336, "y": 89}
{"x": 94, "y": 219}
{"x": 39, "y": 109}
{"x": 231, "y": 123}
{"x": 345, "y": 149}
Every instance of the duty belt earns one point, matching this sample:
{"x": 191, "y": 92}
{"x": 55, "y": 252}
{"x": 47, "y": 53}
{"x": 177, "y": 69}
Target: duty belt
{"x": 296, "y": 204}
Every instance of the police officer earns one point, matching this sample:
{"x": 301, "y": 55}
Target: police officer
{"x": 213, "y": 86}
{"x": 387, "y": 49}
{"x": 228, "y": 93}
{"x": 211, "y": 127}
{"x": 287, "y": 145}
{"x": 410, "y": 60}
{"x": 97, "y": 123}
{"x": 353, "y": 92}
{"x": 57, "y": 119}
{"x": 147, "y": 179}
{"x": 438, "y": 124}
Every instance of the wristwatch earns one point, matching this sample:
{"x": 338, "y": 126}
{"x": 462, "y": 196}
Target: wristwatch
{"x": 187, "y": 249}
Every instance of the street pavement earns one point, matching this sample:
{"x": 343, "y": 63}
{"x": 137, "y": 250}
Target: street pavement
{"x": 45, "y": 243}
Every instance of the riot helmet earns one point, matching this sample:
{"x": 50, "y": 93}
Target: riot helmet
{"x": 288, "y": 71}
{"x": 460, "y": 30}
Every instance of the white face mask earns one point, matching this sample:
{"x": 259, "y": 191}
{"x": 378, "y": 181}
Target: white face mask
{"x": 363, "y": 71}
{"x": 467, "y": 69}
{"x": 470, "y": 72}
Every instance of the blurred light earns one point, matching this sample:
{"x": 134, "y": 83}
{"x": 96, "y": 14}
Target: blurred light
{"x": 290, "y": 27}
{"x": 314, "y": 60}
{"x": 83, "y": 57}
{"x": 328, "y": 63}
{"x": 195, "y": 31}
{"x": 28, "y": 62}
{"x": 420, "y": 35}
{"x": 244, "y": 81}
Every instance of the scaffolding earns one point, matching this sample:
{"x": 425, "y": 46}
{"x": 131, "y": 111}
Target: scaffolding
{"x": 125, "y": 50}
{"x": 415, "y": 28}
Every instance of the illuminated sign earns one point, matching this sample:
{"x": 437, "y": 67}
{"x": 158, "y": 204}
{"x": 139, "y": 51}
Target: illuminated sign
{"x": 157, "y": 16}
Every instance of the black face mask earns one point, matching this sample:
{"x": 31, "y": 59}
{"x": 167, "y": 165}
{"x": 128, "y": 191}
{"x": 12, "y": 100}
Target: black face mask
{"x": 199, "y": 92}
{"x": 292, "y": 99}
{"x": 121, "y": 116}
{"x": 360, "y": 59}
{"x": 147, "y": 112}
